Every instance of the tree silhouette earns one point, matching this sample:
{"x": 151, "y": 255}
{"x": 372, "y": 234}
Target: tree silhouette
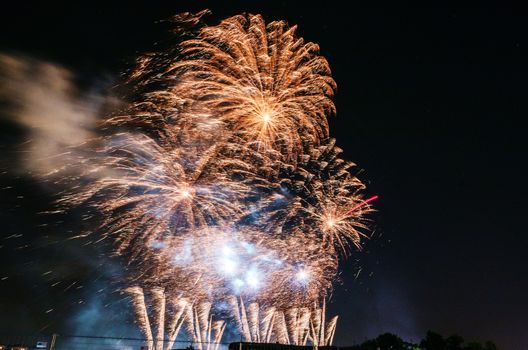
{"x": 489, "y": 345}
{"x": 433, "y": 341}
{"x": 454, "y": 342}
{"x": 389, "y": 341}
{"x": 474, "y": 346}
{"x": 385, "y": 341}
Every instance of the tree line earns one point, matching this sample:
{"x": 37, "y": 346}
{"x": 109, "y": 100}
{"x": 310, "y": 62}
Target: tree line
{"x": 432, "y": 341}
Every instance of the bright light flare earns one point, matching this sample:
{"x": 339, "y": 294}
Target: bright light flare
{"x": 302, "y": 276}
{"x": 228, "y": 262}
{"x": 266, "y": 117}
{"x": 253, "y": 278}
{"x": 186, "y": 194}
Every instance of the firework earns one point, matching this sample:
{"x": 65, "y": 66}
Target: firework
{"x": 322, "y": 333}
{"x": 146, "y": 191}
{"x": 205, "y": 332}
{"x": 318, "y": 190}
{"x": 142, "y": 318}
{"x": 219, "y": 184}
{"x": 254, "y": 323}
{"x": 295, "y": 326}
{"x": 297, "y": 322}
{"x": 167, "y": 315}
{"x": 180, "y": 305}
{"x": 255, "y": 78}
{"x": 220, "y": 262}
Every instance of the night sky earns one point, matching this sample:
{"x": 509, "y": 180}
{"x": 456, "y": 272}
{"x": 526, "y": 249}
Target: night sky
{"x": 430, "y": 105}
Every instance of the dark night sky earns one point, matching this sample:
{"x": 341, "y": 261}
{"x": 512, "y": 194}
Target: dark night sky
{"x": 430, "y": 103}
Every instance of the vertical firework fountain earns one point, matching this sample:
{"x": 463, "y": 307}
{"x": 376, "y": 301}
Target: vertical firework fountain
{"x": 142, "y": 317}
{"x": 255, "y": 325}
{"x": 205, "y": 332}
{"x": 296, "y": 326}
{"x": 166, "y": 314}
{"x": 321, "y": 333}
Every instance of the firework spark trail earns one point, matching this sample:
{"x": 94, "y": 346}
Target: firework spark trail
{"x": 365, "y": 202}
{"x": 298, "y": 325}
{"x": 321, "y": 332}
{"x": 159, "y": 301}
{"x": 330, "y": 331}
{"x": 267, "y": 324}
{"x": 219, "y": 183}
{"x": 239, "y": 311}
{"x": 205, "y": 332}
{"x": 138, "y": 299}
{"x": 254, "y": 323}
{"x": 178, "y": 320}
{"x": 166, "y": 314}
{"x": 295, "y": 326}
{"x": 282, "y": 328}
